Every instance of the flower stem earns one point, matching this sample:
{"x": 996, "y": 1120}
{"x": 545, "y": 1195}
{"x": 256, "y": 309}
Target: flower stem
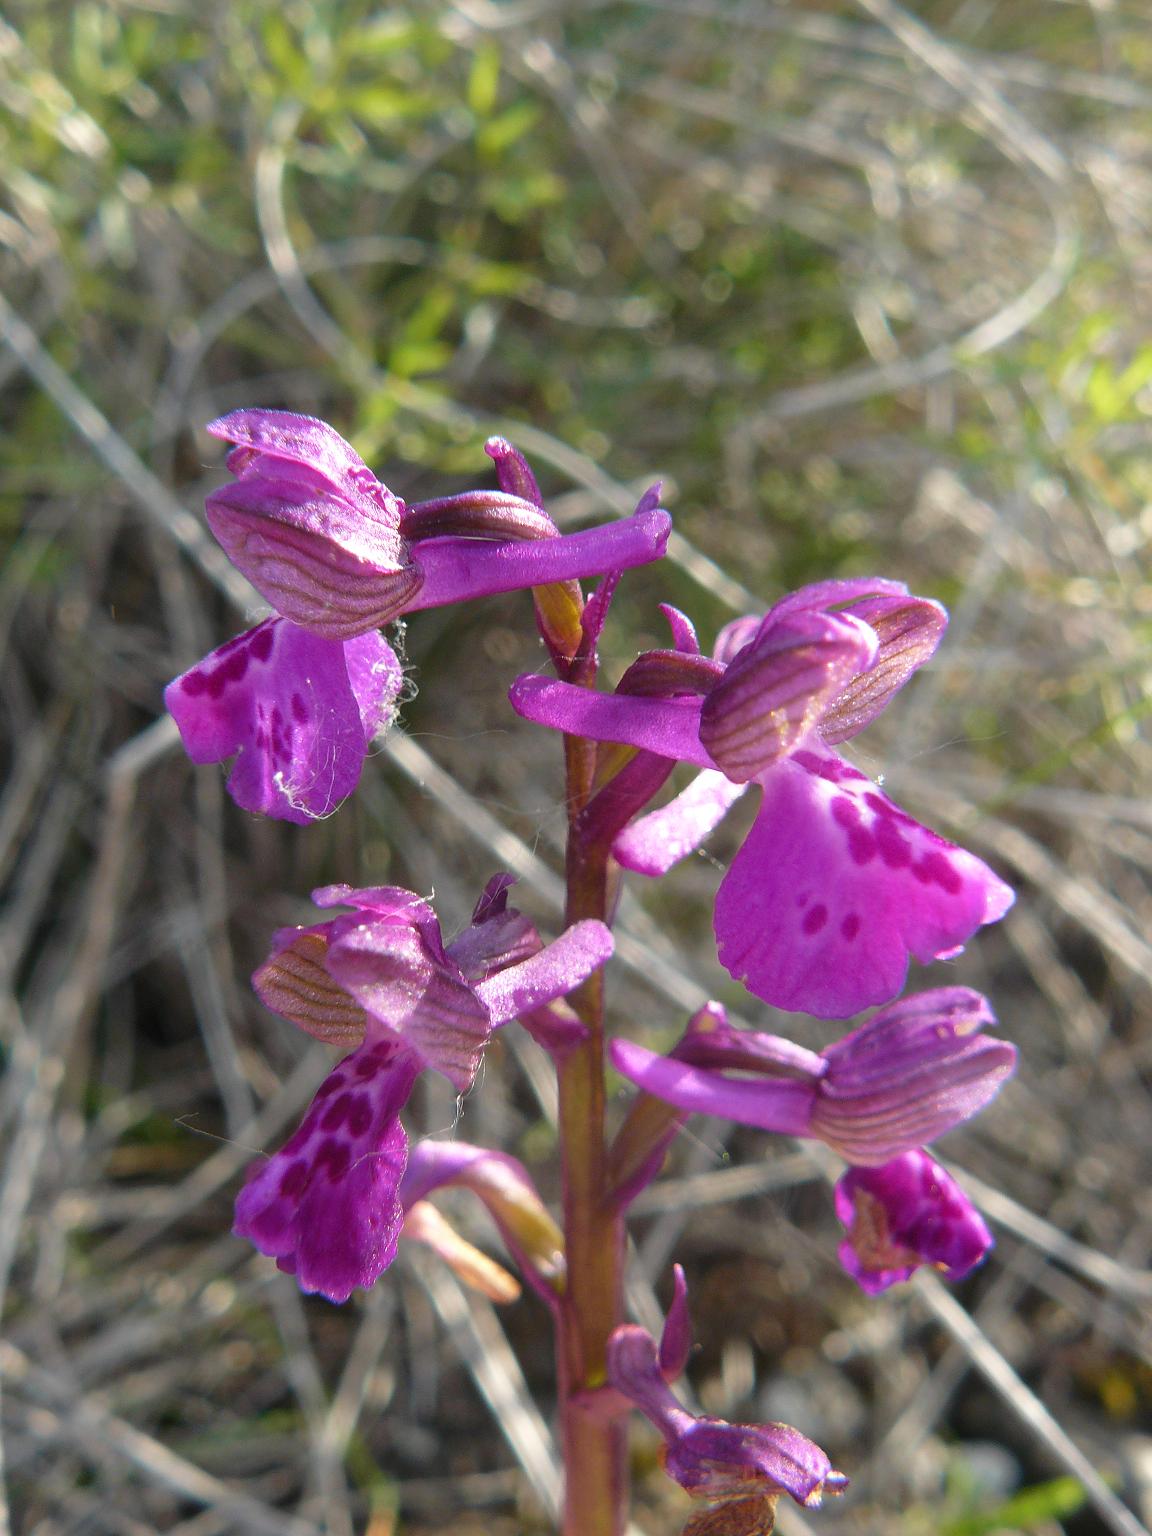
{"x": 595, "y": 1446}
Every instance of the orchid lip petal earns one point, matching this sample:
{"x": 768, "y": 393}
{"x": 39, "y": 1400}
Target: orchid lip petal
{"x": 652, "y": 844}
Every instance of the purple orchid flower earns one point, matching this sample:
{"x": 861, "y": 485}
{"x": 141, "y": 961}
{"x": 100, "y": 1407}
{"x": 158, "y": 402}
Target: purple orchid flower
{"x": 906, "y": 1214}
{"x": 713, "y": 1460}
{"x": 327, "y": 1206}
{"x": 835, "y": 887}
{"x": 298, "y": 699}
{"x": 913, "y": 1071}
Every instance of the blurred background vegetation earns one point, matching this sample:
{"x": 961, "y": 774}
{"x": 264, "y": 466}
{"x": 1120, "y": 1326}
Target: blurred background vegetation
{"x": 869, "y": 289}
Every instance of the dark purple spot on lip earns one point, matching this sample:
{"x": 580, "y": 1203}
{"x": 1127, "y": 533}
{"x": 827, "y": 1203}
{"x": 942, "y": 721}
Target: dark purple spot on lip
{"x": 335, "y": 1156}
{"x": 367, "y": 1066}
{"x": 845, "y": 812}
{"x": 934, "y": 869}
{"x": 359, "y": 1115}
{"x": 295, "y": 1180}
{"x": 894, "y": 849}
{"x": 260, "y": 646}
{"x": 299, "y": 709}
{"x": 194, "y": 683}
{"x": 336, "y": 1113}
{"x": 861, "y": 845}
{"x": 232, "y": 670}
{"x": 329, "y": 1085}
{"x": 815, "y": 920}
{"x": 850, "y": 926}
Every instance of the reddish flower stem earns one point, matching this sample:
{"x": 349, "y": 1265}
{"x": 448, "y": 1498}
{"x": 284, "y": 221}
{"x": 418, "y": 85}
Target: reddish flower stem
{"x": 595, "y": 1446}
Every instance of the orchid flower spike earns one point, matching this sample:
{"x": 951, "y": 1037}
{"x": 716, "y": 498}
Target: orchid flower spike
{"x": 835, "y": 887}
{"x": 906, "y": 1214}
{"x": 298, "y": 699}
{"x": 715, "y": 1461}
{"x": 327, "y": 1206}
{"x": 915, "y": 1070}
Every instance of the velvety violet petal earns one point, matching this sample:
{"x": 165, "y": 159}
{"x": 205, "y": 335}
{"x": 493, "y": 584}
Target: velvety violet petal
{"x": 654, "y": 843}
{"x": 271, "y": 442}
{"x": 774, "y": 692}
{"x": 559, "y": 968}
{"x": 835, "y": 887}
{"x": 376, "y": 678}
{"x": 388, "y": 969}
{"x": 909, "y": 629}
{"x": 455, "y": 570}
{"x": 668, "y": 727}
{"x": 279, "y": 700}
{"x": 676, "y": 1338}
{"x": 781, "y": 1105}
{"x": 512, "y": 470}
{"x": 315, "y": 556}
{"x": 295, "y": 983}
{"x": 498, "y": 935}
{"x": 905, "y": 1214}
{"x": 683, "y": 630}
{"x": 910, "y": 1074}
{"x": 326, "y": 1205}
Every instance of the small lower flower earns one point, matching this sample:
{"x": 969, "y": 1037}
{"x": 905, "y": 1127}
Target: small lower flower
{"x": 906, "y": 1214}
{"x": 328, "y": 1206}
{"x": 712, "y": 1459}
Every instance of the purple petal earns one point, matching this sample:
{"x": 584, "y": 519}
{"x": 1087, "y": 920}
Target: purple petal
{"x": 480, "y": 514}
{"x": 909, "y": 629}
{"x": 712, "y": 1451}
{"x": 282, "y": 702}
{"x": 735, "y": 636}
{"x": 775, "y": 691}
{"x": 295, "y": 983}
{"x": 314, "y": 555}
{"x": 909, "y": 1075}
{"x": 326, "y": 1205}
{"x": 376, "y": 678}
{"x": 498, "y": 935}
{"x": 771, "y": 1104}
{"x": 709, "y": 1457}
{"x": 905, "y": 1214}
{"x": 557, "y": 970}
{"x": 654, "y": 843}
{"x": 419, "y": 998}
{"x": 455, "y": 570}
{"x": 835, "y": 887}
{"x": 838, "y": 592}
{"x": 668, "y": 727}
{"x": 280, "y": 443}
